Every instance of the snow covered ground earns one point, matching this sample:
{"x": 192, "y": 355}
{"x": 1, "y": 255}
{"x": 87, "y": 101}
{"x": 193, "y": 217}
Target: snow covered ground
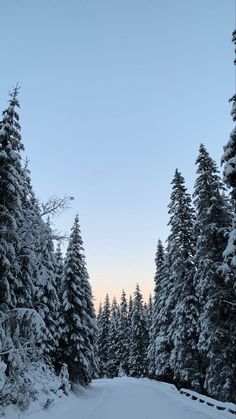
{"x": 125, "y": 398}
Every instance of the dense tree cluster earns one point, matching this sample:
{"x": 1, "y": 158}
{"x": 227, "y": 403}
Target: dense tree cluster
{"x": 192, "y": 336}
{"x": 47, "y": 317}
{"x": 123, "y": 336}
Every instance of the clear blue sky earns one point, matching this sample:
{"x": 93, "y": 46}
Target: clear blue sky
{"x": 115, "y": 95}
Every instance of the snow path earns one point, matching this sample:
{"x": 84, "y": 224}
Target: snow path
{"x": 128, "y": 398}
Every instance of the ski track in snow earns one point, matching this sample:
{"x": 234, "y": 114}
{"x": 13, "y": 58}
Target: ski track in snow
{"x": 127, "y": 398}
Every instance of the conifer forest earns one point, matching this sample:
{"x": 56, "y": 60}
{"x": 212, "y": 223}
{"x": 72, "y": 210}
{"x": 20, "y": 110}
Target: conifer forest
{"x": 50, "y": 334}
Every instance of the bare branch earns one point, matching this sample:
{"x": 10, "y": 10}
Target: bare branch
{"x": 55, "y": 205}
{"x": 56, "y": 235}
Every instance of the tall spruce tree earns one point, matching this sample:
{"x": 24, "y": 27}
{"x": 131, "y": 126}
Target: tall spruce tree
{"x": 138, "y": 343}
{"x": 113, "y": 360}
{"x": 229, "y": 177}
{"x": 79, "y": 336}
{"x": 213, "y": 220}
{"x": 123, "y": 333}
{"x": 163, "y": 342}
{"x": 154, "y": 328}
{"x": 229, "y": 160}
{"x": 103, "y": 337}
{"x": 183, "y": 330}
{"x": 11, "y": 196}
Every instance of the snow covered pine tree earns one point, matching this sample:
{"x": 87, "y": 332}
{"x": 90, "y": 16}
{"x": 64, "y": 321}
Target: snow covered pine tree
{"x": 79, "y": 337}
{"x": 11, "y": 195}
{"x": 138, "y": 341}
{"x": 213, "y": 220}
{"x": 229, "y": 177}
{"x": 113, "y": 361}
{"x": 183, "y": 313}
{"x": 154, "y": 330}
{"x": 103, "y": 337}
{"x": 122, "y": 345}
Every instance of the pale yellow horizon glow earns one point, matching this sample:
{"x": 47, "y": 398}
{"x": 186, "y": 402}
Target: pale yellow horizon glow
{"x": 112, "y": 284}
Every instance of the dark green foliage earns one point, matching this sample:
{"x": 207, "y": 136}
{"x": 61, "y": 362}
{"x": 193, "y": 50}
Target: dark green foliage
{"x": 123, "y": 336}
{"x": 11, "y": 196}
{"x": 113, "y": 339}
{"x": 78, "y": 341}
{"x": 103, "y": 337}
{"x": 183, "y": 330}
{"x": 213, "y": 220}
{"x": 138, "y": 338}
{"x": 154, "y": 328}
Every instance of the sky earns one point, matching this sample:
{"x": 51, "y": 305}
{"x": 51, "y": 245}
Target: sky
{"x": 115, "y": 95}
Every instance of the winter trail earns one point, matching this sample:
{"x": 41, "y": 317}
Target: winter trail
{"x": 128, "y": 398}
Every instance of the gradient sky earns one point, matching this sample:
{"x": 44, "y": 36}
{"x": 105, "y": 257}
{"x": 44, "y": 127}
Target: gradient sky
{"x": 114, "y": 96}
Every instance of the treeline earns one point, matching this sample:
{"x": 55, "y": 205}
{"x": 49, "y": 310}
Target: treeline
{"x": 188, "y": 337}
{"x": 47, "y": 319}
{"x": 123, "y": 336}
{"x": 192, "y": 337}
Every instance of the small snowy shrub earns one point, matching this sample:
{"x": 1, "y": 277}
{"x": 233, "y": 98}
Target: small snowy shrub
{"x": 24, "y": 376}
{"x": 64, "y": 378}
{"x": 36, "y": 382}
